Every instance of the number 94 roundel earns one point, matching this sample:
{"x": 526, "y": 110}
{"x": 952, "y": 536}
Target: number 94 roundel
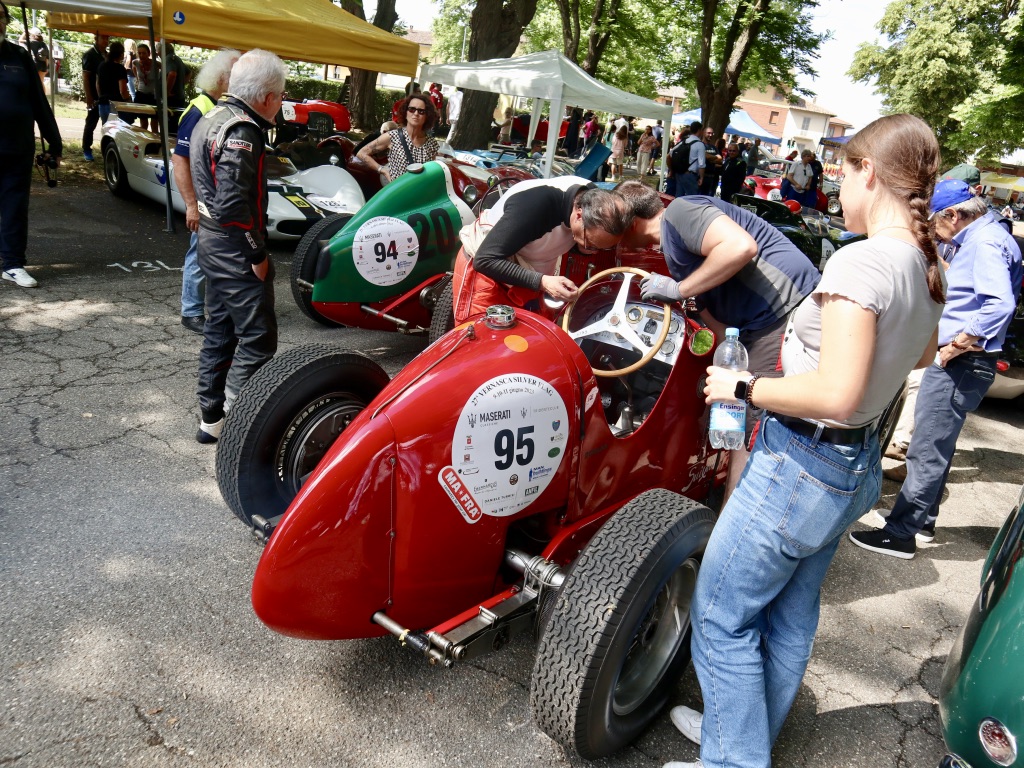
{"x": 508, "y": 444}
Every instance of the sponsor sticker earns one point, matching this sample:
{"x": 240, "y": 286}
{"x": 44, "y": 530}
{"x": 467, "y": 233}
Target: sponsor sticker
{"x": 288, "y": 111}
{"x": 385, "y": 250}
{"x": 459, "y": 494}
{"x": 297, "y": 201}
{"x": 239, "y": 144}
{"x": 505, "y": 432}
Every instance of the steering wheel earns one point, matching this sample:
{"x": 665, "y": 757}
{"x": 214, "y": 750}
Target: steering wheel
{"x": 614, "y": 321}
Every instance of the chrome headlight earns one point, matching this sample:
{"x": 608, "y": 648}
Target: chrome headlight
{"x": 470, "y": 194}
{"x": 999, "y": 744}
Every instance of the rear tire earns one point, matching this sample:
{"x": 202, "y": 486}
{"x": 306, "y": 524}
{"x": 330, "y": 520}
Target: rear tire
{"x": 442, "y": 319}
{"x": 114, "y": 172}
{"x": 305, "y": 260}
{"x": 618, "y": 637}
{"x": 285, "y": 419}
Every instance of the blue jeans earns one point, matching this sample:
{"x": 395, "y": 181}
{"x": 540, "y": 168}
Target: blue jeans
{"x": 755, "y": 608}
{"x": 191, "y": 281}
{"x": 946, "y": 396}
{"x": 686, "y": 184}
{"x": 103, "y": 110}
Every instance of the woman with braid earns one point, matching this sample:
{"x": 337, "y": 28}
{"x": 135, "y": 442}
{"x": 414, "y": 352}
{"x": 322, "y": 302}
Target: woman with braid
{"x": 815, "y": 467}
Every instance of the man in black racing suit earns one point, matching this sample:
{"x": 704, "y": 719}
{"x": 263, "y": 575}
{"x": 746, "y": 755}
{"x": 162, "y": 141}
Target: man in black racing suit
{"x": 227, "y": 156}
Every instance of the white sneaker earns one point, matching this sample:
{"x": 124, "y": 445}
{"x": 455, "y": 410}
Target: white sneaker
{"x": 677, "y": 764}
{"x": 688, "y": 722}
{"x": 21, "y": 277}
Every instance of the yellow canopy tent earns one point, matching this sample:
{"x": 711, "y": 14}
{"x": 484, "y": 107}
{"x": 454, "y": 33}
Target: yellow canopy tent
{"x": 306, "y": 30}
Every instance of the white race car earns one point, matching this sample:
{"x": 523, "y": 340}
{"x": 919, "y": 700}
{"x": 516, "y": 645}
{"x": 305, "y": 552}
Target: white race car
{"x": 132, "y": 161}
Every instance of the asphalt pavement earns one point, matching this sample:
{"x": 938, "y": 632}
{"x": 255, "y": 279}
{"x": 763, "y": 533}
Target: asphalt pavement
{"x": 124, "y": 578}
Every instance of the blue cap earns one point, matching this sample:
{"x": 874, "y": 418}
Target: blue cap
{"x": 732, "y": 333}
{"x": 950, "y": 192}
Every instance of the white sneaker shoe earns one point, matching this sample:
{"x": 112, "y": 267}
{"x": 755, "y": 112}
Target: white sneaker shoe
{"x": 688, "y": 722}
{"x": 677, "y": 764}
{"x": 21, "y": 277}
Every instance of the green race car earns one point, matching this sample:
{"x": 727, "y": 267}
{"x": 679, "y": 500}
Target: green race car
{"x": 981, "y": 698}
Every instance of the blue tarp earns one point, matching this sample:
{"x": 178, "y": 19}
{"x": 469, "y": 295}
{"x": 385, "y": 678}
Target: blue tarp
{"x": 740, "y": 124}
{"x": 836, "y": 141}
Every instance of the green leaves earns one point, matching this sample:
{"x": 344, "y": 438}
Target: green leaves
{"x": 950, "y": 64}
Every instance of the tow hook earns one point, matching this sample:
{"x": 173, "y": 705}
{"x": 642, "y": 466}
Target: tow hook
{"x": 415, "y": 641}
{"x": 304, "y": 284}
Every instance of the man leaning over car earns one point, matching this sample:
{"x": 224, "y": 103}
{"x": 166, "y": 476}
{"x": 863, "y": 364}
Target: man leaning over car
{"x": 744, "y": 272}
{"x": 213, "y": 82}
{"x": 510, "y": 254}
{"x": 226, "y": 158}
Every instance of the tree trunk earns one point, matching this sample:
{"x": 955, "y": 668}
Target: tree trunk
{"x": 362, "y": 100}
{"x": 495, "y": 28}
{"x": 717, "y": 99}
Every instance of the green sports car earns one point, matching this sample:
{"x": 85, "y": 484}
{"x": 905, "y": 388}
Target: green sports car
{"x": 981, "y": 698}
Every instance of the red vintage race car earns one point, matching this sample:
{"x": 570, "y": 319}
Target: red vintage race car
{"x": 768, "y": 188}
{"x": 298, "y": 112}
{"x": 519, "y": 475}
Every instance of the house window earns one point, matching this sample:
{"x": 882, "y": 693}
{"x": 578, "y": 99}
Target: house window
{"x": 773, "y": 118}
{"x": 806, "y": 124}
{"x": 778, "y": 96}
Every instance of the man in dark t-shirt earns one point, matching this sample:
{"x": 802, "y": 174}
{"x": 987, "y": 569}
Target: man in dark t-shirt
{"x": 743, "y": 272}
{"x": 91, "y": 61}
{"x": 177, "y": 75}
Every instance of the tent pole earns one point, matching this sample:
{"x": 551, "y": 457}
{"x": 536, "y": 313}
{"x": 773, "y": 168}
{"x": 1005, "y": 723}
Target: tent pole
{"x": 534, "y": 121}
{"x": 666, "y": 140}
{"x": 164, "y": 123}
{"x": 554, "y": 128}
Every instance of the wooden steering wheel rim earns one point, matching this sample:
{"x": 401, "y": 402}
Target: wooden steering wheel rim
{"x": 655, "y": 348}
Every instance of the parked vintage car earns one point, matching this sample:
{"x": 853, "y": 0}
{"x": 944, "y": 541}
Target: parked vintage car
{"x": 981, "y": 704}
{"x": 133, "y": 162}
{"x": 814, "y": 233}
{"x": 769, "y": 188}
{"x": 514, "y": 477}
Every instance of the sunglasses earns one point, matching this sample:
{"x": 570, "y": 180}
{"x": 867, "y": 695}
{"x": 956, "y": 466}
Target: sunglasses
{"x": 416, "y": 110}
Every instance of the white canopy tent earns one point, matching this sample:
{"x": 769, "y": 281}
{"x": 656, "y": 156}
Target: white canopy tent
{"x": 548, "y": 76}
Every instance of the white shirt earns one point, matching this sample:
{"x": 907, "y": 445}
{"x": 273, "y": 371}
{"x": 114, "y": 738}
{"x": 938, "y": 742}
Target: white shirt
{"x": 454, "y": 105}
{"x": 802, "y": 174}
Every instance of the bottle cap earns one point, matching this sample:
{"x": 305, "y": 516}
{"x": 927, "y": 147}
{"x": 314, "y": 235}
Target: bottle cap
{"x": 732, "y": 333}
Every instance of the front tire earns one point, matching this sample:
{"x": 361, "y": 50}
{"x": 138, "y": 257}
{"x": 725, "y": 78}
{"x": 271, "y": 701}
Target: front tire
{"x": 619, "y": 635}
{"x": 285, "y": 419}
{"x": 304, "y": 264}
{"x": 442, "y": 318}
{"x": 834, "y": 207}
{"x": 114, "y": 172}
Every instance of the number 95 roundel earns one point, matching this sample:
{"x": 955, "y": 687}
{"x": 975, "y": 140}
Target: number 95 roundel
{"x": 508, "y": 444}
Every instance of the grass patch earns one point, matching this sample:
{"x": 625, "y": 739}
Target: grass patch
{"x": 74, "y": 171}
{"x": 68, "y": 106}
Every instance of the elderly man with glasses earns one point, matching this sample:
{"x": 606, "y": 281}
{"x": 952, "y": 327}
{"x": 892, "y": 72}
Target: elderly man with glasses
{"x": 510, "y": 255}
{"x": 982, "y": 288}
{"x": 227, "y": 164}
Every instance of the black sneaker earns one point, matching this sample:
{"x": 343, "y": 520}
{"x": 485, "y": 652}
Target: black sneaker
{"x": 885, "y": 544}
{"x": 194, "y": 324}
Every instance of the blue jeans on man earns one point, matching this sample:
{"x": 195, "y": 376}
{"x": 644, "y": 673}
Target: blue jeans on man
{"x": 686, "y": 184}
{"x": 946, "y": 396}
{"x": 756, "y": 604}
{"x": 191, "y": 281}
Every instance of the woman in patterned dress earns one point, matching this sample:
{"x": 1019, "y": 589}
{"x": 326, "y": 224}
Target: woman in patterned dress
{"x": 408, "y": 144}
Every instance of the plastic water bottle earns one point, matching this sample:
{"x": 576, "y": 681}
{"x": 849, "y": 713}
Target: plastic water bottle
{"x": 729, "y": 420}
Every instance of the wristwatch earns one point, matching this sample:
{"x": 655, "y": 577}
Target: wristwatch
{"x": 742, "y": 387}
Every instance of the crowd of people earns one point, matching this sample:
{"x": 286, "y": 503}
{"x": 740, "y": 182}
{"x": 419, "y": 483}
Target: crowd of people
{"x": 828, "y": 352}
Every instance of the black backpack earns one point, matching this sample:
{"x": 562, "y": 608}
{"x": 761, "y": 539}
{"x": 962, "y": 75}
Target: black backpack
{"x": 679, "y": 155}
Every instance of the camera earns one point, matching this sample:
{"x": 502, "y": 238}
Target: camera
{"x": 47, "y": 164}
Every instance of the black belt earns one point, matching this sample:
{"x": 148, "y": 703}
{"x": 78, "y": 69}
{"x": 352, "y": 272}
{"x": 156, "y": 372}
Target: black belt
{"x": 828, "y": 434}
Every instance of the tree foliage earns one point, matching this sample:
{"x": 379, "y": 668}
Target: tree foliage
{"x": 957, "y": 67}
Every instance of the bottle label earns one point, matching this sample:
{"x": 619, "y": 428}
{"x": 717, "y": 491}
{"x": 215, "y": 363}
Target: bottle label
{"x": 729, "y": 417}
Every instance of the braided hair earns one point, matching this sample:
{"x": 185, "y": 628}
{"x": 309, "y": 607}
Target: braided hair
{"x": 905, "y": 156}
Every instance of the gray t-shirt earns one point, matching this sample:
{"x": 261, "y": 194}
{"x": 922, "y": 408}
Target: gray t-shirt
{"x": 888, "y": 277}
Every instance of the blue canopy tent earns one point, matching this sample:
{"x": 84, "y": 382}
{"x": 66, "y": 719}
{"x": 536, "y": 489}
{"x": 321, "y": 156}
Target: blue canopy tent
{"x": 836, "y": 141}
{"x": 740, "y": 124}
